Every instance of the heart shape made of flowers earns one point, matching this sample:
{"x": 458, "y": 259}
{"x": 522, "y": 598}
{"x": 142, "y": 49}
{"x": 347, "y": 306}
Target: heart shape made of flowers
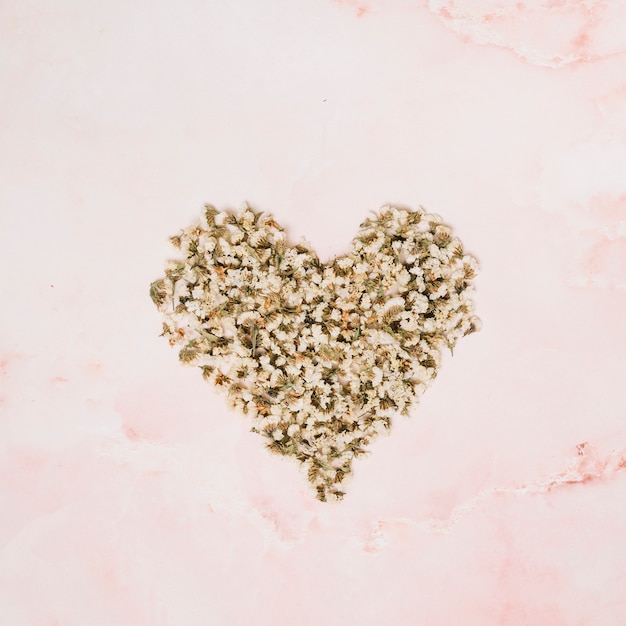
{"x": 321, "y": 355}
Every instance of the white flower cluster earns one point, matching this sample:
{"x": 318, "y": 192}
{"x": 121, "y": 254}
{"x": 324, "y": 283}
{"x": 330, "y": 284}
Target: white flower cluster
{"x": 322, "y": 355}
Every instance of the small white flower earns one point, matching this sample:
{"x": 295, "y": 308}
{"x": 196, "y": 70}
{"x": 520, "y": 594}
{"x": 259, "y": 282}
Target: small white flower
{"x": 181, "y": 289}
{"x": 409, "y": 323}
{"x": 393, "y": 302}
{"x": 318, "y": 336}
{"x": 377, "y": 376}
{"x": 248, "y": 316}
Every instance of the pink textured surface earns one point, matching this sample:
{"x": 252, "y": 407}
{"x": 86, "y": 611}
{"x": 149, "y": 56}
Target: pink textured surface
{"x": 129, "y": 494}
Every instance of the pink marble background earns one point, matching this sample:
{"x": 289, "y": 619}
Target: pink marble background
{"x": 129, "y": 493}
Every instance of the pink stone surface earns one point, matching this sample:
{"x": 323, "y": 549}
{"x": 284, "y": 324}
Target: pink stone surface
{"x": 129, "y": 494}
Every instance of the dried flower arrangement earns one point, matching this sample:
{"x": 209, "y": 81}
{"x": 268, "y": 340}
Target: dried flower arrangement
{"x": 321, "y": 355}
